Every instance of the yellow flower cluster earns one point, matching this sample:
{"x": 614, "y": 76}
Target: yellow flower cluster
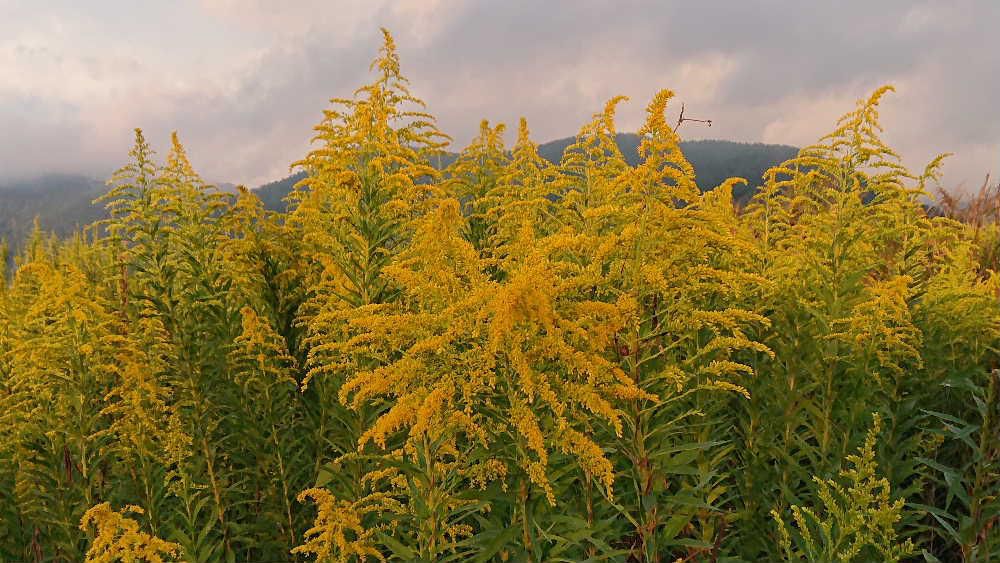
{"x": 118, "y": 537}
{"x": 338, "y": 533}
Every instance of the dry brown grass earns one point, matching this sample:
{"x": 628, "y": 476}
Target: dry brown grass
{"x": 981, "y": 211}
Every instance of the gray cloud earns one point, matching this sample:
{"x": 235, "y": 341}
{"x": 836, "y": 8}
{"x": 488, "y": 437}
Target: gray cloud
{"x": 245, "y": 83}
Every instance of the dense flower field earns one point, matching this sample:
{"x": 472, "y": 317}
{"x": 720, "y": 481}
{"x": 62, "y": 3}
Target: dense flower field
{"x": 507, "y": 359}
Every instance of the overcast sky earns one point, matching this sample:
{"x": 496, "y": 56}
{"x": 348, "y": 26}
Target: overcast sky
{"x": 243, "y": 81}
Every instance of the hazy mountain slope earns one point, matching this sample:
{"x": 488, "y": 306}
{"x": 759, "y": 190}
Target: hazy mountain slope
{"x": 713, "y": 161}
{"x": 716, "y": 161}
{"x": 63, "y": 202}
{"x": 273, "y": 193}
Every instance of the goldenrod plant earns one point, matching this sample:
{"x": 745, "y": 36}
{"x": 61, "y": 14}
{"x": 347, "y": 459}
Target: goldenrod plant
{"x": 856, "y": 519}
{"x": 506, "y": 358}
{"x": 118, "y": 538}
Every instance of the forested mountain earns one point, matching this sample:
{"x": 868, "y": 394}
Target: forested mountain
{"x": 62, "y": 203}
{"x": 713, "y": 160}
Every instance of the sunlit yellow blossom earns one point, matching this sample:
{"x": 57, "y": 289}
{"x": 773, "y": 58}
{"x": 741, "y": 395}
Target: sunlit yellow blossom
{"x": 118, "y": 537}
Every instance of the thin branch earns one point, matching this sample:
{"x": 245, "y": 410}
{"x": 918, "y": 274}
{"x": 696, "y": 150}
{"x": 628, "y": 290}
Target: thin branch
{"x": 681, "y": 119}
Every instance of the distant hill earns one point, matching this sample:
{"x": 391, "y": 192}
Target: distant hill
{"x": 63, "y": 202}
{"x": 713, "y": 161}
{"x": 716, "y": 161}
{"x": 273, "y": 194}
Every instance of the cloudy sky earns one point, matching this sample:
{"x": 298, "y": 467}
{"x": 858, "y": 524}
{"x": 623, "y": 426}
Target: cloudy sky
{"x": 243, "y": 81}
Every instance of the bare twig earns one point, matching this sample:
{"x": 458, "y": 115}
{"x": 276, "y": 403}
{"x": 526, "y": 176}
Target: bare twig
{"x": 681, "y": 119}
